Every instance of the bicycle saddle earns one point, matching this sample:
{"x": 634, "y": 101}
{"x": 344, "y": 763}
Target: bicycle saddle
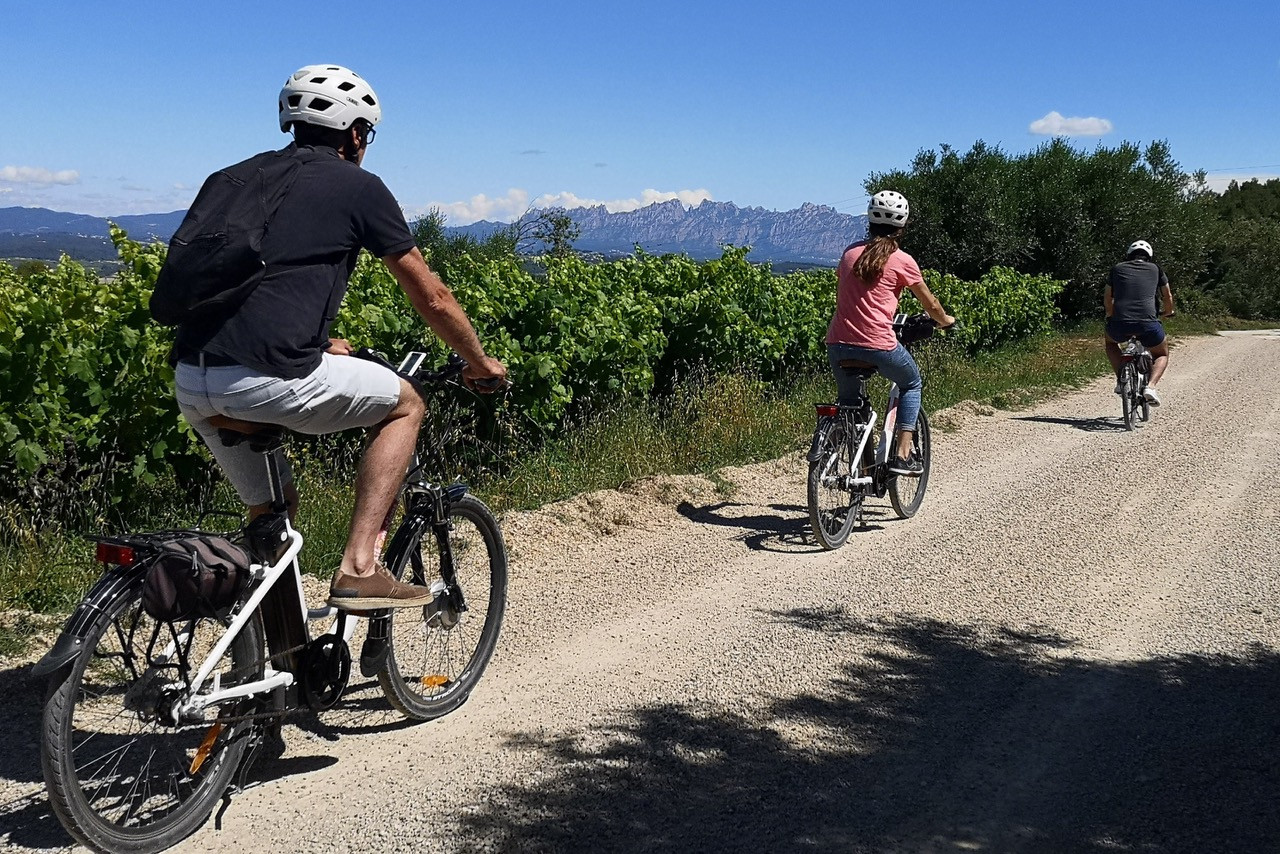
{"x": 857, "y": 365}
{"x": 261, "y": 437}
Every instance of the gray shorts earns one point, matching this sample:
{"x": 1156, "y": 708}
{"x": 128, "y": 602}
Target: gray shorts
{"x": 342, "y": 393}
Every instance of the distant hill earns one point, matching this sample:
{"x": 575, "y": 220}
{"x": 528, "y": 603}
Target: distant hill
{"x": 810, "y": 234}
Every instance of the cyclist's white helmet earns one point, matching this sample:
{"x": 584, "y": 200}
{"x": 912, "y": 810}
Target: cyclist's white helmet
{"x": 888, "y": 208}
{"x": 1140, "y": 246}
{"x": 329, "y": 96}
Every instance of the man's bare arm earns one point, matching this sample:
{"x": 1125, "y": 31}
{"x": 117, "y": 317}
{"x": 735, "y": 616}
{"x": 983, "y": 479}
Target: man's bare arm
{"x": 433, "y": 300}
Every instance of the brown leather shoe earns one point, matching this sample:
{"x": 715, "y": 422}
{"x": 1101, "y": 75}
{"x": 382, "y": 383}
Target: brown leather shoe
{"x": 377, "y": 590}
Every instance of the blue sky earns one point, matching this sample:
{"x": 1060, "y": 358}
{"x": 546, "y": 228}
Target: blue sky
{"x": 490, "y": 107}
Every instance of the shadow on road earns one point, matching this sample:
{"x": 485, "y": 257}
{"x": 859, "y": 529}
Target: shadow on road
{"x": 948, "y": 738}
{"x": 1089, "y": 425}
{"x": 785, "y": 531}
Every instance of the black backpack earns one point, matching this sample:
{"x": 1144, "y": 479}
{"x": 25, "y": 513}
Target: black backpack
{"x": 215, "y": 256}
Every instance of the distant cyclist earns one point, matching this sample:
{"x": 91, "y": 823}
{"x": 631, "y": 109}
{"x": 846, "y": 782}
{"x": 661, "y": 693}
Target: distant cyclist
{"x": 871, "y": 275}
{"x": 1130, "y": 302}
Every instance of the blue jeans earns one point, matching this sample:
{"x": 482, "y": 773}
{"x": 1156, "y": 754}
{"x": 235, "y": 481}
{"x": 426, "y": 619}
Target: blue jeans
{"x": 896, "y": 364}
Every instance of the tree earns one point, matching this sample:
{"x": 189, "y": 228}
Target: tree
{"x": 442, "y": 250}
{"x": 551, "y": 231}
{"x": 1054, "y": 211}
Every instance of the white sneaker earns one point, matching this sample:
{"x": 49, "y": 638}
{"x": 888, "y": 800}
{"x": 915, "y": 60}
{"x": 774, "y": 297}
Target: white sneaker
{"x": 1149, "y": 393}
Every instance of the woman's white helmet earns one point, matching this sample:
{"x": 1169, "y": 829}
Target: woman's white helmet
{"x": 1140, "y": 246}
{"x": 329, "y": 96}
{"x": 888, "y": 208}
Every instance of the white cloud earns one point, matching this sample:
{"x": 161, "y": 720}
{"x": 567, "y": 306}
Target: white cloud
{"x": 516, "y": 202}
{"x": 1056, "y": 124}
{"x": 38, "y": 175}
{"x": 1219, "y": 181}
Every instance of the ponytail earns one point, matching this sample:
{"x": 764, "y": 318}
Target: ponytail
{"x": 880, "y": 246}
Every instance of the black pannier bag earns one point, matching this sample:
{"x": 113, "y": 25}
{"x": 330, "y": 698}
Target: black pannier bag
{"x": 195, "y": 575}
{"x": 215, "y": 256}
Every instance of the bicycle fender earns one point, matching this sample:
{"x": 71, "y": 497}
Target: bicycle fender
{"x": 113, "y": 583}
{"x": 821, "y": 443}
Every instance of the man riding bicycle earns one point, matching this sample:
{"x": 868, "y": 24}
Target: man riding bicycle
{"x": 272, "y": 361}
{"x": 1130, "y": 302}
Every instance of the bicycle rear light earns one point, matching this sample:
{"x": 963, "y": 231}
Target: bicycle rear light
{"x": 114, "y": 553}
{"x": 826, "y": 409}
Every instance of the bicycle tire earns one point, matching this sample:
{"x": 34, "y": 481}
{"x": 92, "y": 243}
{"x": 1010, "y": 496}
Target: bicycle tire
{"x": 1144, "y": 410}
{"x": 92, "y": 809}
{"x": 904, "y": 496}
{"x": 831, "y": 507}
{"x": 422, "y": 677}
{"x": 1128, "y": 383}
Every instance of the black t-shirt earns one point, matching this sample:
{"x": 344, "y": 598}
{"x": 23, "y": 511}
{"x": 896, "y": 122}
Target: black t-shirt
{"x": 333, "y": 210}
{"x": 1134, "y": 285}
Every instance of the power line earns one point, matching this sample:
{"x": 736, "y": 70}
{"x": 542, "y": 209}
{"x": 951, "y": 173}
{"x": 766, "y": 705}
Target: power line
{"x": 1242, "y": 168}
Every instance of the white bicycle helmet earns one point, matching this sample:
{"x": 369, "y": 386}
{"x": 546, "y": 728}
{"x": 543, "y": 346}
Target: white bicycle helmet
{"x": 329, "y": 96}
{"x": 888, "y": 208}
{"x": 1140, "y": 245}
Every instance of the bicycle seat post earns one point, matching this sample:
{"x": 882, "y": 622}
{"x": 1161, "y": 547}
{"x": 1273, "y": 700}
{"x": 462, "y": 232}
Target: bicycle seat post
{"x": 278, "y": 502}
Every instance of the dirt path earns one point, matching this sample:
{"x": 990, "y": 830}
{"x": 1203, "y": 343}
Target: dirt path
{"x": 1074, "y": 647}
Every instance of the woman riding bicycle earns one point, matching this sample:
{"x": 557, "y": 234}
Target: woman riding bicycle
{"x": 872, "y": 274}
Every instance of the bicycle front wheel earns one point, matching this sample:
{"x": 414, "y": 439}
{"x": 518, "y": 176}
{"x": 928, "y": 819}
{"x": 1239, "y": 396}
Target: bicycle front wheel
{"x": 831, "y": 502}
{"x": 438, "y": 653}
{"x": 121, "y": 775}
{"x": 906, "y": 493}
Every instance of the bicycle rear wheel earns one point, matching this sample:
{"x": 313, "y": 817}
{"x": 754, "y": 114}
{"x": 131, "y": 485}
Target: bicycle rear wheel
{"x": 121, "y": 775}
{"x": 907, "y": 493}
{"x": 831, "y": 502}
{"x": 1129, "y": 396}
{"x": 438, "y": 653}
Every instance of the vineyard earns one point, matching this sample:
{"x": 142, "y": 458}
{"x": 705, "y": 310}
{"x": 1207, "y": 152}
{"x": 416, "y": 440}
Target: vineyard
{"x": 87, "y": 414}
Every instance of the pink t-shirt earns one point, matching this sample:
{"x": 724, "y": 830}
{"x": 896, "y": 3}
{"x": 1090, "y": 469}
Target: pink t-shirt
{"x": 864, "y": 313}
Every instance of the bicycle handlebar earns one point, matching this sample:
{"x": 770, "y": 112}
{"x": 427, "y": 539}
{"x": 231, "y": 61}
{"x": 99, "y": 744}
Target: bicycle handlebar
{"x": 917, "y": 327}
{"x": 411, "y": 368}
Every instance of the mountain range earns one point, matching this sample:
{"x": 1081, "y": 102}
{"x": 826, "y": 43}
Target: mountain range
{"x": 810, "y": 234}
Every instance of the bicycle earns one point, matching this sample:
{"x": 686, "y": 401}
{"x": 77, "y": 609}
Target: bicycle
{"x": 147, "y": 723}
{"x": 1134, "y": 376}
{"x": 846, "y": 466}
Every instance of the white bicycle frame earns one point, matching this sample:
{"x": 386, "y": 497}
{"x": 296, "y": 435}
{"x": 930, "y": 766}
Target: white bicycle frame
{"x": 194, "y": 703}
{"x": 882, "y": 449}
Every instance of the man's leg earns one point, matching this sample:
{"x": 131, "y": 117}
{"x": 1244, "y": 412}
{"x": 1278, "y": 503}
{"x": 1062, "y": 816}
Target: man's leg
{"x": 1115, "y": 357}
{"x": 1160, "y": 360}
{"x": 382, "y": 470}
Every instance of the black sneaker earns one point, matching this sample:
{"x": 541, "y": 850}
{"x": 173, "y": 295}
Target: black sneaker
{"x": 910, "y": 467}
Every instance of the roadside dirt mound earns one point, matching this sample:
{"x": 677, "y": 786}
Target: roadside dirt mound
{"x": 955, "y": 417}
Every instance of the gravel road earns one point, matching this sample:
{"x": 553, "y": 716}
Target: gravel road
{"x": 1075, "y": 646}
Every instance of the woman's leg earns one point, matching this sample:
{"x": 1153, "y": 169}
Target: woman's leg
{"x": 898, "y": 366}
